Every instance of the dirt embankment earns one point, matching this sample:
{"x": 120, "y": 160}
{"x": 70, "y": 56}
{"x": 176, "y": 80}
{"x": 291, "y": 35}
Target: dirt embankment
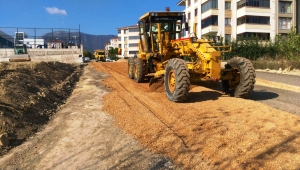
{"x": 29, "y": 94}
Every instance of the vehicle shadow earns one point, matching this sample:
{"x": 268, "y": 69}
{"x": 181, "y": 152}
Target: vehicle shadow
{"x": 262, "y": 95}
{"x": 202, "y": 96}
{"x": 255, "y": 95}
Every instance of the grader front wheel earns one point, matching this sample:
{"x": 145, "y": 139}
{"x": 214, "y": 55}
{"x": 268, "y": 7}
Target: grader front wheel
{"x": 177, "y": 80}
{"x": 245, "y": 74}
{"x": 131, "y": 67}
{"x": 138, "y": 70}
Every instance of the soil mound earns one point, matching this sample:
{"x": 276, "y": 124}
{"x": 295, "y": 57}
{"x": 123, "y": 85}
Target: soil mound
{"x": 157, "y": 85}
{"x": 29, "y": 94}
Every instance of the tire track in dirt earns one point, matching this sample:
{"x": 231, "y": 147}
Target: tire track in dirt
{"x": 145, "y": 104}
{"x": 229, "y": 133}
{"x": 153, "y": 111}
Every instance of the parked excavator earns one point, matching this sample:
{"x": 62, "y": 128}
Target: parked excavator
{"x": 165, "y": 56}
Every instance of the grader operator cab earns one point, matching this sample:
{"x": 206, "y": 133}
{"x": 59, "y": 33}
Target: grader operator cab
{"x": 165, "y": 55}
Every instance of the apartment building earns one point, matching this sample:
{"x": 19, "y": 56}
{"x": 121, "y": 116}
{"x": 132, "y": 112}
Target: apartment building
{"x": 231, "y": 18}
{"x": 113, "y": 43}
{"x": 128, "y": 38}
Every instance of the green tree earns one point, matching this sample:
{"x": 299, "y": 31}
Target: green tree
{"x": 112, "y": 53}
{"x": 87, "y": 53}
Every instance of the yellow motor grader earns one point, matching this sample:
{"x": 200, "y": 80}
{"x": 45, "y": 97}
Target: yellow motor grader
{"x": 164, "y": 54}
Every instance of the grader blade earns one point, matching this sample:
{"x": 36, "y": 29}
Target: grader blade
{"x": 157, "y": 84}
{"x": 154, "y": 80}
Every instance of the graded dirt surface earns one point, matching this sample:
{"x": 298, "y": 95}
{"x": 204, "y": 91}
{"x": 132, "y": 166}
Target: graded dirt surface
{"x": 95, "y": 127}
{"x": 209, "y": 131}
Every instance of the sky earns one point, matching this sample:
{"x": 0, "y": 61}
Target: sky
{"x": 95, "y": 17}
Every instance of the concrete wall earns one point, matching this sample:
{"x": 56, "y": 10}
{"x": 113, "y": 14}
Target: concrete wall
{"x": 37, "y": 55}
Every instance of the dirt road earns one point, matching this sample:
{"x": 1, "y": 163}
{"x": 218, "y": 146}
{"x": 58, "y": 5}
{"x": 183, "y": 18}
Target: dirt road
{"x": 209, "y": 131}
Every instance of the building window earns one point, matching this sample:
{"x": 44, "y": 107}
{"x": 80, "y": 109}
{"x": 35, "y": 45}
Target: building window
{"x": 284, "y": 7}
{"x": 133, "y": 52}
{"x": 196, "y": 1}
{"x": 189, "y": 16}
{"x": 120, "y": 46}
{"x": 228, "y": 21}
{"x": 125, "y": 31}
{"x": 228, "y": 5}
{"x": 119, "y": 38}
{"x": 125, "y": 45}
{"x": 253, "y": 20}
{"x": 210, "y": 4}
{"x": 125, "y": 38}
{"x": 284, "y": 23}
{"x": 133, "y": 29}
{"x": 261, "y": 36}
{"x": 134, "y": 37}
{"x": 254, "y": 3}
{"x": 119, "y": 31}
{"x": 133, "y": 45}
{"x": 189, "y": 2}
{"x": 196, "y": 11}
{"x": 212, "y": 20}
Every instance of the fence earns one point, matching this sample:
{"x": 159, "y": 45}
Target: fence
{"x": 39, "y": 37}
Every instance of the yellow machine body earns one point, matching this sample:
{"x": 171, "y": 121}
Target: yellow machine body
{"x": 100, "y": 55}
{"x": 162, "y": 45}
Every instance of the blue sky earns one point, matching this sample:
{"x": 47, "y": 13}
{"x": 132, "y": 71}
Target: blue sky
{"x": 96, "y": 17}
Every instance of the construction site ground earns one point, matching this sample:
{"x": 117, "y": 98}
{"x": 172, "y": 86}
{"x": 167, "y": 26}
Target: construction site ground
{"x": 68, "y": 116}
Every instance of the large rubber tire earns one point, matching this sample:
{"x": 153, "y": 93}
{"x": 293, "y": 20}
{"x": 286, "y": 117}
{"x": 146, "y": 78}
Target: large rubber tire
{"x": 177, "y": 80}
{"x": 138, "y": 68}
{"x": 131, "y": 67}
{"x": 247, "y": 77}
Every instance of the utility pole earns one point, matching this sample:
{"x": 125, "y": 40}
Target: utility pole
{"x": 75, "y": 40}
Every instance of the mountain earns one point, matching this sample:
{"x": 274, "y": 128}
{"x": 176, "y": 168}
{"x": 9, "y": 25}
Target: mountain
{"x": 90, "y": 42}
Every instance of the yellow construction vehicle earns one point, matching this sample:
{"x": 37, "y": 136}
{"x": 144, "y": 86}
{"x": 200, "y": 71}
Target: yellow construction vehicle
{"x": 100, "y": 55}
{"x": 164, "y": 54}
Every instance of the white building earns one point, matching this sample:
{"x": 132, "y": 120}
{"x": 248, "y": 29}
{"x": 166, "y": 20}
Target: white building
{"x": 34, "y": 43}
{"x": 113, "y": 43}
{"x": 231, "y": 18}
{"x": 21, "y": 37}
{"x": 128, "y": 38}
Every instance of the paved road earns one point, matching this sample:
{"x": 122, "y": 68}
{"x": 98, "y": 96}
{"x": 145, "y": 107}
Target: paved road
{"x": 285, "y": 100}
{"x": 279, "y": 78}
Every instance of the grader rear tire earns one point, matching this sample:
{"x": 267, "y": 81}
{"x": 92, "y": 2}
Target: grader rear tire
{"x": 247, "y": 77}
{"x": 138, "y": 70}
{"x": 177, "y": 80}
{"x": 131, "y": 67}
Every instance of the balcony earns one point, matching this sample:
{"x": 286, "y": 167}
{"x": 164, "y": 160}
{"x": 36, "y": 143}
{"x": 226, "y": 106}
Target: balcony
{"x": 254, "y": 11}
{"x": 210, "y": 13}
{"x": 209, "y": 29}
{"x": 228, "y": 13}
{"x": 263, "y": 28}
{"x": 285, "y": 15}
